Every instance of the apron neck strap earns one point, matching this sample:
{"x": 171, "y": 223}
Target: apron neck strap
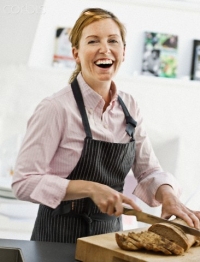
{"x": 79, "y": 100}
{"x": 130, "y": 122}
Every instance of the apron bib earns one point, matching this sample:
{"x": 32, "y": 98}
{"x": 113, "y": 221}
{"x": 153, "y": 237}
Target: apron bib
{"x": 103, "y": 162}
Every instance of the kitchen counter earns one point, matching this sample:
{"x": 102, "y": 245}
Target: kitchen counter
{"x": 36, "y": 251}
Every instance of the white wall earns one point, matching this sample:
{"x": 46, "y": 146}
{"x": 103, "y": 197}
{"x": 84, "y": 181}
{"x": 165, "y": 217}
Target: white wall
{"x": 171, "y": 110}
{"x": 18, "y": 20}
{"x": 170, "y": 107}
{"x": 138, "y": 16}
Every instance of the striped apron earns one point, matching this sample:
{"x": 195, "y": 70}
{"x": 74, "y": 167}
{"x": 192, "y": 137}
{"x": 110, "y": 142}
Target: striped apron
{"x": 103, "y": 162}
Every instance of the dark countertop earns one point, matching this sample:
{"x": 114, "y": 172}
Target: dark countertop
{"x": 36, "y": 251}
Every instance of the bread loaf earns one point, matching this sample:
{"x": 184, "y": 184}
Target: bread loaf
{"x": 160, "y": 237}
{"x": 175, "y": 234}
{"x": 124, "y": 242}
{"x": 156, "y": 243}
{"x": 149, "y": 241}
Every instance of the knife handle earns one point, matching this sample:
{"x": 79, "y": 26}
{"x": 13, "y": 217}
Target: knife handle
{"x": 128, "y": 211}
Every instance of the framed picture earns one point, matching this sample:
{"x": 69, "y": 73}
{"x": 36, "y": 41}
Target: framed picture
{"x": 160, "y": 55}
{"x": 195, "y": 68}
{"x": 63, "y": 57}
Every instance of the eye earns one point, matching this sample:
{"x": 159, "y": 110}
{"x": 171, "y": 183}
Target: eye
{"x": 92, "y": 41}
{"x": 112, "y": 41}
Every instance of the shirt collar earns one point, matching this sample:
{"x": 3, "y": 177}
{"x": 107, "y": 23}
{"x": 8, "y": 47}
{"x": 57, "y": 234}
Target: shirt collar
{"x": 92, "y": 98}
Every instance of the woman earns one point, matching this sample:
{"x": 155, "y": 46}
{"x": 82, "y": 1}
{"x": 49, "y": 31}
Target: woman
{"x": 82, "y": 141}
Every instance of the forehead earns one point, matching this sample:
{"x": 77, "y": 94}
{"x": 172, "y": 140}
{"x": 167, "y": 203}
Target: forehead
{"x": 102, "y": 27}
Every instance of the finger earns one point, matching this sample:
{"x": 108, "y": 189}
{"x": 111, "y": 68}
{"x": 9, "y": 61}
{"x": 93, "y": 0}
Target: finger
{"x": 111, "y": 210}
{"x": 102, "y": 207}
{"x": 189, "y": 218}
{"x": 130, "y": 202}
{"x": 194, "y": 219}
{"x": 197, "y": 213}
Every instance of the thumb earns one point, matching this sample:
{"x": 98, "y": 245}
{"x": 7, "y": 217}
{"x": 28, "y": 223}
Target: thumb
{"x": 165, "y": 215}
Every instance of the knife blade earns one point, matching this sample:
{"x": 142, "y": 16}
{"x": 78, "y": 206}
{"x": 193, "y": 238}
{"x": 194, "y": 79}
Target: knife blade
{"x": 151, "y": 219}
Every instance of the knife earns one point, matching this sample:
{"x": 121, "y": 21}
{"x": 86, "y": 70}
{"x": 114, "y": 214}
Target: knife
{"x": 150, "y": 219}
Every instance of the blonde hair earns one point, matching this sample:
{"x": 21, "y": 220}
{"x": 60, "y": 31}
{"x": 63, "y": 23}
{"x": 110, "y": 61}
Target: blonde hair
{"x": 87, "y": 17}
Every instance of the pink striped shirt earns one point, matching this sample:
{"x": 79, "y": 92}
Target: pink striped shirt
{"x": 54, "y": 140}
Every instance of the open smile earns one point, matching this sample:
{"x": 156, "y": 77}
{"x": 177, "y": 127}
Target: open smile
{"x": 104, "y": 63}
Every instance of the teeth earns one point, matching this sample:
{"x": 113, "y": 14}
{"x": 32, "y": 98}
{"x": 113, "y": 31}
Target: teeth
{"x": 105, "y": 62}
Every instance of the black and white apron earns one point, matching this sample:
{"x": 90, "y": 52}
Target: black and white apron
{"x": 103, "y": 162}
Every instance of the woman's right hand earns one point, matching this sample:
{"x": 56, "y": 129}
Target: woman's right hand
{"x": 108, "y": 200}
{"x": 111, "y": 201}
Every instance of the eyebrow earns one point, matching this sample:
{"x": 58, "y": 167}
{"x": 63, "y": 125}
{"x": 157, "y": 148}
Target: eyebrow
{"x": 115, "y": 35}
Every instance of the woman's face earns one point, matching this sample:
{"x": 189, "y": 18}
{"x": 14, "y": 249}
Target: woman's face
{"x": 101, "y": 51}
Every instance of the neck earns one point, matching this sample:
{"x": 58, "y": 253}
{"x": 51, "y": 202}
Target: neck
{"x": 103, "y": 89}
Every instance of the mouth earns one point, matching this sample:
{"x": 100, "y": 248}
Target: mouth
{"x": 104, "y": 63}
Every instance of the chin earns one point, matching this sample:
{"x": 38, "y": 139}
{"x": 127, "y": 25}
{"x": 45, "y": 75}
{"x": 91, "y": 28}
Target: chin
{"x": 105, "y": 77}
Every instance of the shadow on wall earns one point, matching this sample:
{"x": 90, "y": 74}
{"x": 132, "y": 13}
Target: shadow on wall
{"x": 167, "y": 152}
{"x": 166, "y": 148}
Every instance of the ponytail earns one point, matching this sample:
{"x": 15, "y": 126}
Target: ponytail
{"x": 75, "y": 73}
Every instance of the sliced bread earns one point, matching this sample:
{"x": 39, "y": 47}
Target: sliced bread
{"x": 174, "y": 233}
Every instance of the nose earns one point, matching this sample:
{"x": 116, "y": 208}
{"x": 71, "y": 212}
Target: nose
{"x": 104, "y": 48}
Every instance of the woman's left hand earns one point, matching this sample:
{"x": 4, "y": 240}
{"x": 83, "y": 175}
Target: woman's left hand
{"x": 171, "y": 205}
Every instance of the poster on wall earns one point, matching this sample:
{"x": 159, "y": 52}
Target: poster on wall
{"x": 195, "y": 68}
{"x": 160, "y": 55}
{"x": 63, "y": 57}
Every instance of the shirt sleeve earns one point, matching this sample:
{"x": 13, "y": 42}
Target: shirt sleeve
{"x": 33, "y": 180}
{"x": 146, "y": 189}
{"x": 147, "y": 169}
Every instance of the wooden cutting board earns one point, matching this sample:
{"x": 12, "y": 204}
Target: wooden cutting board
{"x": 103, "y": 248}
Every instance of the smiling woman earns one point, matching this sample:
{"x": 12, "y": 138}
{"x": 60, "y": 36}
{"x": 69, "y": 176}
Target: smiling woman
{"x": 101, "y": 35}
{"x": 100, "y": 55}
{"x": 82, "y": 141}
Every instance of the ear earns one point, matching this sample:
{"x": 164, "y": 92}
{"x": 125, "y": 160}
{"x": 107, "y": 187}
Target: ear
{"x": 124, "y": 53}
{"x": 75, "y": 55}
